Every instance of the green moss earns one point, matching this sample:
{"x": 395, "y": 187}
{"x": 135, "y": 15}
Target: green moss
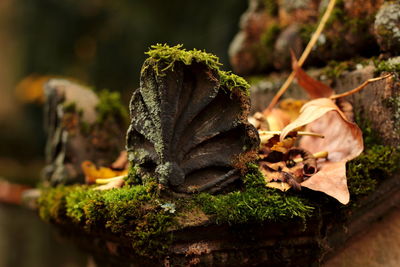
{"x": 69, "y": 107}
{"x": 131, "y": 212}
{"x": 376, "y": 163}
{"x": 272, "y": 7}
{"x": 256, "y": 203}
{"x": 373, "y": 165}
{"x": 133, "y": 177}
{"x": 110, "y": 105}
{"x": 269, "y": 37}
{"x": 390, "y": 65}
{"x": 334, "y": 41}
{"x": 52, "y": 205}
{"x": 169, "y": 55}
{"x": 394, "y": 104}
{"x": 140, "y": 215}
{"x": 334, "y": 69}
{"x": 338, "y": 13}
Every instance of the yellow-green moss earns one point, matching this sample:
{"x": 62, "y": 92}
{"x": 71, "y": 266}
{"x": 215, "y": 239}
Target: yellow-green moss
{"x": 373, "y": 165}
{"x": 272, "y": 7}
{"x": 110, "y": 105}
{"x": 334, "y": 69}
{"x": 390, "y": 65}
{"x": 269, "y": 37}
{"x": 131, "y": 212}
{"x": 169, "y": 55}
{"x": 69, "y": 107}
{"x": 376, "y": 163}
{"x": 256, "y": 203}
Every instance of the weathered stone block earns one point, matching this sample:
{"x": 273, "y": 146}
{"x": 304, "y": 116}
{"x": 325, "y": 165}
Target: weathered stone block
{"x": 188, "y": 128}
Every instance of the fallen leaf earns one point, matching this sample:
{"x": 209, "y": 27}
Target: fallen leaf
{"x": 343, "y": 141}
{"x": 314, "y": 88}
{"x": 92, "y": 173}
{"x": 291, "y": 107}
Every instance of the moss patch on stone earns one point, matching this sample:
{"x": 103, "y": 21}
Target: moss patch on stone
{"x": 169, "y": 55}
{"x": 256, "y": 203}
{"x": 110, "y": 105}
{"x": 390, "y": 65}
{"x": 131, "y": 212}
{"x": 372, "y": 166}
{"x": 147, "y": 219}
{"x": 269, "y": 37}
{"x": 376, "y": 163}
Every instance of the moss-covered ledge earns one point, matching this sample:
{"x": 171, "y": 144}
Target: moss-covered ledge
{"x": 139, "y": 223}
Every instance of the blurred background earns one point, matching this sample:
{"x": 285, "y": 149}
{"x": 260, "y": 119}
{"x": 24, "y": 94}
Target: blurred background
{"x": 100, "y": 43}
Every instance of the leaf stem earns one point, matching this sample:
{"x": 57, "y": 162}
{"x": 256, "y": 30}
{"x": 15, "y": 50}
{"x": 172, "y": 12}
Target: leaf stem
{"x": 359, "y": 88}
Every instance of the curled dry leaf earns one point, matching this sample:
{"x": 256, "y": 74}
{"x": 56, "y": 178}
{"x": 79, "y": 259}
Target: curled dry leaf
{"x": 314, "y": 88}
{"x": 343, "y": 141}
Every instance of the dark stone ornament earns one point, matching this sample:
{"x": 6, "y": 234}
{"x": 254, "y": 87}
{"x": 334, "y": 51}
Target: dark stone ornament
{"x": 76, "y": 132}
{"x": 188, "y": 129}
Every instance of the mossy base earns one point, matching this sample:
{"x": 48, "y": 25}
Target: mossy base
{"x": 140, "y": 221}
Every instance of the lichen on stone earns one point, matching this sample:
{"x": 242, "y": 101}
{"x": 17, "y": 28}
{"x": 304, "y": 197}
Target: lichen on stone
{"x": 387, "y": 26}
{"x": 390, "y": 65}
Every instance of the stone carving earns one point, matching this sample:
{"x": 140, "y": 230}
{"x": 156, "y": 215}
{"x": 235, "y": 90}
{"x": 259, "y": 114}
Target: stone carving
{"x": 77, "y": 131}
{"x": 187, "y": 129}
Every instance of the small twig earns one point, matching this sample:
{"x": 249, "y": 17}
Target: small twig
{"x": 359, "y": 88}
{"x": 305, "y": 54}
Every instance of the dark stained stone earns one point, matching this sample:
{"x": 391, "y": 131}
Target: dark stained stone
{"x": 187, "y": 129}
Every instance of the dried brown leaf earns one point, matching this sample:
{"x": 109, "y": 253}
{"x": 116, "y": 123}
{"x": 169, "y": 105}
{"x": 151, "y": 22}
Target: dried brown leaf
{"x": 343, "y": 141}
{"x": 314, "y": 88}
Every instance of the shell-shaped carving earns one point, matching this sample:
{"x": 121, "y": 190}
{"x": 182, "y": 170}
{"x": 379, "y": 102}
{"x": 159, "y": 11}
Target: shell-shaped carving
{"x": 187, "y": 129}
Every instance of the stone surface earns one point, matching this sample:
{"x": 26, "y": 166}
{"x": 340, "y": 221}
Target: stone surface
{"x": 378, "y": 245}
{"x": 267, "y": 34}
{"x": 378, "y": 102}
{"x": 287, "y": 243}
{"x": 187, "y": 130}
{"x": 387, "y": 27}
{"x": 245, "y": 49}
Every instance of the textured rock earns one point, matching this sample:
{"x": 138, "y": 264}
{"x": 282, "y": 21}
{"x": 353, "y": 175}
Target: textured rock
{"x": 263, "y": 45}
{"x": 387, "y": 27}
{"x": 288, "y": 39}
{"x": 246, "y": 50}
{"x": 379, "y": 102}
